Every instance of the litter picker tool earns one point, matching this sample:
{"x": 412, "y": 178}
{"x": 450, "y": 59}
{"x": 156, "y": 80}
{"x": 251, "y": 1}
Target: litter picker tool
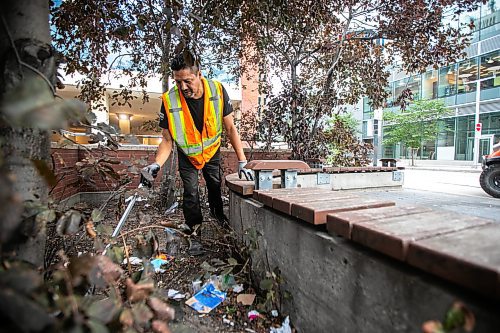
{"x": 124, "y": 217}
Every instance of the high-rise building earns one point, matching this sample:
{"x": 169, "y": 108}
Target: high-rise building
{"x": 470, "y": 88}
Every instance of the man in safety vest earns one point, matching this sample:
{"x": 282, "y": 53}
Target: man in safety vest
{"x": 192, "y": 114}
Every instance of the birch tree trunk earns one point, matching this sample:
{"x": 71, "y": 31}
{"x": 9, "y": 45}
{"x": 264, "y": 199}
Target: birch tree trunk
{"x": 26, "y": 55}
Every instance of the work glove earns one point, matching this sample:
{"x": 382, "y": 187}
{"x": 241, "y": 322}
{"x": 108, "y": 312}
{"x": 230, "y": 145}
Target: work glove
{"x": 241, "y": 170}
{"x": 149, "y": 173}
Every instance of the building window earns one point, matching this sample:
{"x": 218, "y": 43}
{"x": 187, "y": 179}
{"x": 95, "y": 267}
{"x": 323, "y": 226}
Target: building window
{"x": 466, "y": 18}
{"x": 490, "y": 68}
{"x": 367, "y": 109}
{"x": 389, "y": 103}
{"x": 447, "y": 80}
{"x": 447, "y": 133}
{"x": 490, "y": 19}
{"x": 467, "y": 74}
{"x": 430, "y": 85}
{"x": 412, "y": 83}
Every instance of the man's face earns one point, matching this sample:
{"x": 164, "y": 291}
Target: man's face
{"x": 189, "y": 83}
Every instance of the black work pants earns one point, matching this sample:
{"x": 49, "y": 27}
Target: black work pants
{"x": 191, "y": 206}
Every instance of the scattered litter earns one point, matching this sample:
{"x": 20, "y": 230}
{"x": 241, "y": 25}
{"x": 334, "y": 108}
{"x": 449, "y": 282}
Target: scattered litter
{"x": 157, "y": 263}
{"x": 226, "y": 281}
{"x": 253, "y": 315}
{"x": 173, "y": 241}
{"x": 249, "y": 330}
{"x": 138, "y": 199}
{"x": 133, "y": 261}
{"x": 184, "y": 227}
{"x": 206, "y": 299}
{"x": 237, "y": 288}
{"x": 285, "y": 327}
{"x": 227, "y": 321}
{"x": 196, "y": 286}
{"x": 172, "y": 208}
{"x": 165, "y": 257}
{"x": 245, "y": 299}
{"x": 274, "y": 313}
{"x": 147, "y": 205}
{"x": 175, "y": 294}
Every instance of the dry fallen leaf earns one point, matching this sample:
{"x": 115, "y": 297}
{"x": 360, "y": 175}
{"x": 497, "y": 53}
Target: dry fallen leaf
{"x": 469, "y": 319}
{"x": 160, "y": 327}
{"x": 126, "y": 319}
{"x": 110, "y": 270}
{"x": 138, "y": 292}
{"x": 432, "y": 326}
{"x": 89, "y": 227}
{"x": 245, "y": 299}
{"x": 161, "y": 310}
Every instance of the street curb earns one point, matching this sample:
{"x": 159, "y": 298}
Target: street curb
{"x": 468, "y": 170}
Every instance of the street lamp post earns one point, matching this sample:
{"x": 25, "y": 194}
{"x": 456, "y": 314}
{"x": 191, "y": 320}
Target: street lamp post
{"x": 377, "y": 128}
{"x": 477, "y": 128}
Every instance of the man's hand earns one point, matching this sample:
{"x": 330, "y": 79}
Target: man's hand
{"x": 241, "y": 170}
{"x": 149, "y": 173}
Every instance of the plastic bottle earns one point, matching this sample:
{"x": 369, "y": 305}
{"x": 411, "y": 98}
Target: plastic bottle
{"x": 173, "y": 241}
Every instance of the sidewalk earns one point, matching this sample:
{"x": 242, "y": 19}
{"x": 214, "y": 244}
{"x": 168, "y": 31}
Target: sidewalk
{"x": 440, "y": 165}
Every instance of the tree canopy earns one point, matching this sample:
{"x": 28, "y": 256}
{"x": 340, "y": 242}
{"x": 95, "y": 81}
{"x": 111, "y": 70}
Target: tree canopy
{"x": 415, "y": 125}
{"x": 331, "y": 53}
{"x": 140, "y": 37}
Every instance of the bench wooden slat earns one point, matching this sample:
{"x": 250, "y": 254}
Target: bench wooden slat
{"x": 284, "y": 204}
{"x": 468, "y": 257}
{"x": 276, "y": 164}
{"x": 342, "y": 223}
{"x": 243, "y": 187}
{"x": 392, "y": 235}
{"x": 315, "y": 212}
{"x": 267, "y": 196}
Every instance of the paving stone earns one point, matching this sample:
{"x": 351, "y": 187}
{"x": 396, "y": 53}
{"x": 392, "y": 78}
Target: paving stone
{"x": 342, "y": 223}
{"x": 392, "y": 235}
{"x": 469, "y": 257}
{"x": 315, "y": 212}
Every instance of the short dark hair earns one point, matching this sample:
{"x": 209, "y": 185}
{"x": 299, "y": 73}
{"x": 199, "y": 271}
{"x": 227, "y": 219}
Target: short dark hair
{"x": 185, "y": 59}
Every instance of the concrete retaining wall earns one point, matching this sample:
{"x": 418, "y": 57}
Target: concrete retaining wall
{"x": 338, "y": 286}
{"x": 345, "y": 181}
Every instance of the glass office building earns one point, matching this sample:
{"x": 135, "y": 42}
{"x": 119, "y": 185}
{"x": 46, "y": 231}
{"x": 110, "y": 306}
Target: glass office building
{"x": 458, "y": 85}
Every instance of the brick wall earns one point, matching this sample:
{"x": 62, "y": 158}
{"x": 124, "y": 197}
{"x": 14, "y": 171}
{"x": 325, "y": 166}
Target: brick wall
{"x": 65, "y": 160}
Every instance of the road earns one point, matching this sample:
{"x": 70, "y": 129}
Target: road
{"x": 456, "y": 191}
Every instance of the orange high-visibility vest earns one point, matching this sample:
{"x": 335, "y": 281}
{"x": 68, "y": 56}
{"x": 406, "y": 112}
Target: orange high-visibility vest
{"x": 198, "y": 147}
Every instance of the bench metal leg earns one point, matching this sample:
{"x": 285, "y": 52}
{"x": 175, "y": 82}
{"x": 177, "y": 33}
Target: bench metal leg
{"x": 288, "y": 178}
{"x": 263, "y": 179}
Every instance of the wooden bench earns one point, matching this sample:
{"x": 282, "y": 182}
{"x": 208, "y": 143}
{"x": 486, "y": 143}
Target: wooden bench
{"x": 459, "y": 248}
{"x": 456, "y": 247}
{"x": 312, "y": 205}
{"x": 388, "y": 162}
{"x": 263, "y": 170}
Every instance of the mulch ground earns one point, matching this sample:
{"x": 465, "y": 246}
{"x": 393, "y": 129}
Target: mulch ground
{"x": 183, "y": 269}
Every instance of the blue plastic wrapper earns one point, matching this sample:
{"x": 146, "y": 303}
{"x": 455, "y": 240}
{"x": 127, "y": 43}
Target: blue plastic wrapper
{"x": 206, "y": 299}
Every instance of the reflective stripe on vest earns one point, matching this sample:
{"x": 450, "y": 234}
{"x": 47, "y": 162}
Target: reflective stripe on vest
{"x": 199, "y": 147}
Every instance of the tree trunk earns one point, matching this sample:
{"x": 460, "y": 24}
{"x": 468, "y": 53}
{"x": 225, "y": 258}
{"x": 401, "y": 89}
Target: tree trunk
{"x": 293, "y": 109}
{"x": 169, "y": 175}
{"x": 413, "y": 152}
{"x": 25, "y": 24}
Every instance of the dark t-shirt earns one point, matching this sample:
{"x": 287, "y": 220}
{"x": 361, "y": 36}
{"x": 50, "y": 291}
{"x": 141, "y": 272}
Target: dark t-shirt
{"x": 197, "y": 110}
